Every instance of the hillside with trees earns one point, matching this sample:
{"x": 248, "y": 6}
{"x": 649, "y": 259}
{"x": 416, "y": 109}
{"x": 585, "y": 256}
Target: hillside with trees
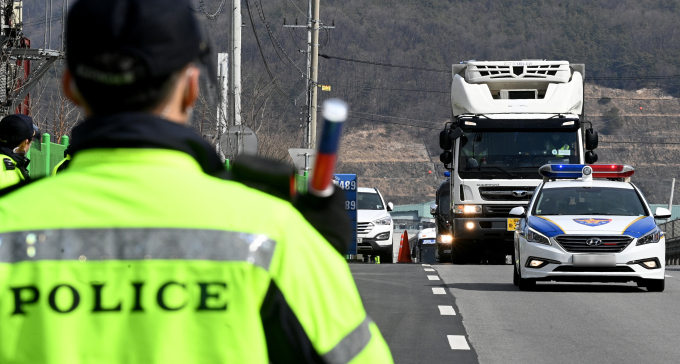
{"x": 391, "y": 60}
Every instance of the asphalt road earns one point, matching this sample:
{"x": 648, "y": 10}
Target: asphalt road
{"x": 557, "y": 323}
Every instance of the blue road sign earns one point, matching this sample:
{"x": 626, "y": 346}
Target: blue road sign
{"x": 348, "y": 183}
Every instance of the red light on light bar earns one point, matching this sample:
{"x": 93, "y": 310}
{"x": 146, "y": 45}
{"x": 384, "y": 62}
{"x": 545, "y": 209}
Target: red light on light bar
{"x": 611, "y": 170}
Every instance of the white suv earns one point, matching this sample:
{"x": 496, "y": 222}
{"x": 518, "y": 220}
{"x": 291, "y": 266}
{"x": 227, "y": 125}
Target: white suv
{"x": 374, "y": 224}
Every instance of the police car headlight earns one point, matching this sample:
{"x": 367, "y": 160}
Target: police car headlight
{"x": 654, "y": 236}
{"x": 383, "y": 221}
{"x": 534, "y": 236}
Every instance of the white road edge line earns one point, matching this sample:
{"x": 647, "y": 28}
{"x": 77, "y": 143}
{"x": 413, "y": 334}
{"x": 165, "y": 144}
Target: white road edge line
{"x": 433, "y": 278}
{"x": 438, "y": 290}
{"x": 429, "y": 270}
{"x": 447, "y": 310}
{"x": 458, "y": 342}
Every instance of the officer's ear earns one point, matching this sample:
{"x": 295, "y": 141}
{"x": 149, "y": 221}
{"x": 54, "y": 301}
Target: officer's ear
{"x": 191, "y": 89}
{"x": 70, "y": 89}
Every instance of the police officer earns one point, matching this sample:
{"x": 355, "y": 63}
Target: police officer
{"x": 16, "y": 135}
{"x": 138, "y": 254}
{"x": 64, "y": 162}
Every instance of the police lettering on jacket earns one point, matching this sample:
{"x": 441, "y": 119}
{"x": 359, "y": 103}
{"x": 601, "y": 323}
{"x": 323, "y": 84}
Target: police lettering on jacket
{"x": 169, "y": 296}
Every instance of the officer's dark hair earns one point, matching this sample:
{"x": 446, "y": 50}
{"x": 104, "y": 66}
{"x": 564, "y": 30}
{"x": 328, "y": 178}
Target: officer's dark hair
{"x": 145, "y": 93}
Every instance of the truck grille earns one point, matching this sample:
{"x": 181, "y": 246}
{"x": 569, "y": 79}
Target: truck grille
{"x": 503, "y": 210}
{"x": 364, "y": 227}
{"x": 522, "y": 193}
{"x": 577, "y": 243}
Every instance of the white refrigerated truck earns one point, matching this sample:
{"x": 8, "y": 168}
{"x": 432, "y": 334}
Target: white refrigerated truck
{"x": 508, "y": 119}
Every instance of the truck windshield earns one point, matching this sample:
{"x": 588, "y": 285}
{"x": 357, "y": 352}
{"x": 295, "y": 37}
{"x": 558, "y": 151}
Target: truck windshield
{"x": 515, "y": 151}
{"x": 589, "y": 201}
{"x": 369, "y": 201}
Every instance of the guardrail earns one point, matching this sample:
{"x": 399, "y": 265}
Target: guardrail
{"x": 671, "y": 230}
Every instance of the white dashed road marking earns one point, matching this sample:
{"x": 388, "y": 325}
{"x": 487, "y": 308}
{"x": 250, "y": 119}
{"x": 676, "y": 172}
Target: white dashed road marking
{"x": 429, "y": 270}
{"x": 447, "y": 310}
{"x": 666, "y": 275}
{"x": 426, "y": 265}
{"x": 458, "y": 342}
{"x": 433, "y": 278}
{"x": 438, "y": 290}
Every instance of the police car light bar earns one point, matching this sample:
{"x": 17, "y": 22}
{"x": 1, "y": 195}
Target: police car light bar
{"x": 580, "y": 171}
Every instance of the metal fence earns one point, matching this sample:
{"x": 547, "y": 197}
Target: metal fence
{"x": 671, "y": 230}
{"x": 45, "y": 155}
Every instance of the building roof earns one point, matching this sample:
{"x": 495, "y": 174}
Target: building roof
{"x": 423, "y": 209}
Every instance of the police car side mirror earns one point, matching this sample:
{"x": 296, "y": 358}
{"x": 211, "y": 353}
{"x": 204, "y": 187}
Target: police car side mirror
{"x": 518, "y": 211}
{"x": 390, "y": 206}
{"x": 591, "y": 157}
{"x": 662, "y": 213}
{"x": 433, "y": 209}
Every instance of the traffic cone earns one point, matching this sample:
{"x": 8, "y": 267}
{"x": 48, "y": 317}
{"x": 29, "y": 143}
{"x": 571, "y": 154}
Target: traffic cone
{"x": 404, "y": 250}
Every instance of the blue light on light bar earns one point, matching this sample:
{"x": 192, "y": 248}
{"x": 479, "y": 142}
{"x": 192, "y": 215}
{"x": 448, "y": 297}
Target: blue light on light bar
{"x": 561, "y": 170}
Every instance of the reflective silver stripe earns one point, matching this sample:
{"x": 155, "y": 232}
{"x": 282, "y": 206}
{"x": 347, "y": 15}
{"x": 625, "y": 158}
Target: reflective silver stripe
{"x": 351, "y": 345}
{"x": 135, "y": 244}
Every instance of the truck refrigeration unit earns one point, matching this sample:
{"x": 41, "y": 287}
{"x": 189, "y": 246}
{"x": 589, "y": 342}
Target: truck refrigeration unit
{"x": 508, "y": 119}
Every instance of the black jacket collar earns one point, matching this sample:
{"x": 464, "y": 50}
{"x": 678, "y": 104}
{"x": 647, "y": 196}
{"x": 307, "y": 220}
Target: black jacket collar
{"x": 140, "y": 130}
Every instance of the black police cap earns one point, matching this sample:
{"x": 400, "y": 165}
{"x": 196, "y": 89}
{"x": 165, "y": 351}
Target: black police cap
{"x": 163, "y": 35}
{"x": 16, "y": 128}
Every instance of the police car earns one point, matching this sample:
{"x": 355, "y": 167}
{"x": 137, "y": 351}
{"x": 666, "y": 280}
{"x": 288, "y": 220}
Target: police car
{"x": 589, "y": 223}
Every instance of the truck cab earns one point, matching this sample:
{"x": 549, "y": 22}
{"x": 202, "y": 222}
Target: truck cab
{"x": 509, "y": 118}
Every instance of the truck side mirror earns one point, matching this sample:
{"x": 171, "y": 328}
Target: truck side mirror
{"x": 591, "y": 139}
{"x": 660, "y": 213}
{"x": 444, "y": 141}
{"x": 591, "y": 157}
{"x": 447, "y": 136}
{"x": 390, "y": 206}
{"x": 518, "y": 211}
{"x": 433, "y": 209}
{"x": 446, "y": 157}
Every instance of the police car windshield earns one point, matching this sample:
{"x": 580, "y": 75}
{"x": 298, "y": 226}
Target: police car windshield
{"x": 589, "y": 201}
{"x": 499, "y": 152}
{"x": 369, "y": 201}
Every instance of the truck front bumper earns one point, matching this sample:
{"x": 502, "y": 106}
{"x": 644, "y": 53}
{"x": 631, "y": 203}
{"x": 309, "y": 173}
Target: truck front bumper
{"x": 490, "y": 228}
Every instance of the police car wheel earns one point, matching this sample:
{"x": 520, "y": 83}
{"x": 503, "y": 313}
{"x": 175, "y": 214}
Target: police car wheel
{"x": 515, "y": 275}
{"x": 655, "y": 285}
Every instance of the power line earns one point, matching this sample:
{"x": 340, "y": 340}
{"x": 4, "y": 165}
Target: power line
{"x": 264, "y": 59}
{"x": 385, "y": 64}
{"x": 360, "y": 89}
{"x": 273, "y": 38}
{"x": 391, "y": 117}
{"x": 213, "y": 16}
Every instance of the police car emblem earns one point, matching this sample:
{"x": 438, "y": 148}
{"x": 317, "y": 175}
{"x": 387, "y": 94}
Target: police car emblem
{"x": 593, "y": 242}
{"x": 593, "y": 222}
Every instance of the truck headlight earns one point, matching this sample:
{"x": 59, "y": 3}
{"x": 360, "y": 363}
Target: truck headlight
{"x": 654, "y": 236}
{"x": 387, "y": 220}
{"x": 445, "y": 239}
{"x": 467, "y": 209}
{"x": 534, "y": 236}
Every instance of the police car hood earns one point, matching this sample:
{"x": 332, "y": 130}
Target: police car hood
{"x": 429, "y": 233}
{"x": 552, "y": 225}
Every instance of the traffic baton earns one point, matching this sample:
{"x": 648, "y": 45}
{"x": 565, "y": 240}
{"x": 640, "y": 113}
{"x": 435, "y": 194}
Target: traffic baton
{"x": 334, "y": 116}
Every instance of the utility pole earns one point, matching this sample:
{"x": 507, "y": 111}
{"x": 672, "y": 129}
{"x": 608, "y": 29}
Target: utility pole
{"x": 313, "y": 25}
{"x": 670, "y": 202}
{"x": 235, "y": 65}
{"x": 315, "y": 71}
